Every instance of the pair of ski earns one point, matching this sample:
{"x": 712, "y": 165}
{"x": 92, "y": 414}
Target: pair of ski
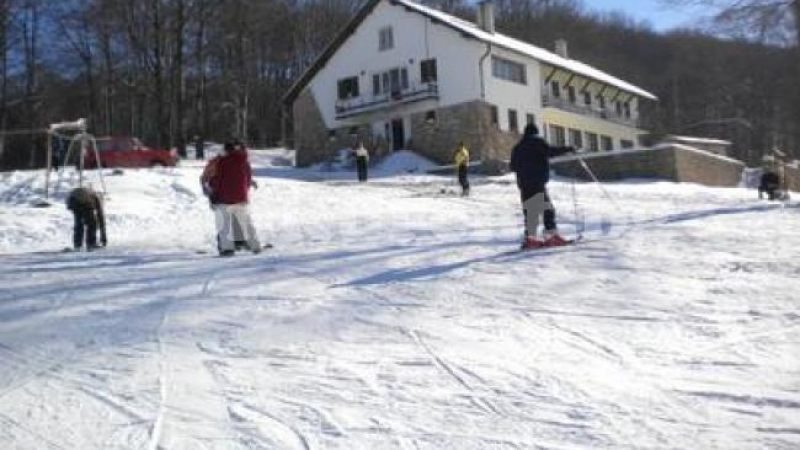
{"x": 568, "y": 243}
{"x": 266, "y": 246}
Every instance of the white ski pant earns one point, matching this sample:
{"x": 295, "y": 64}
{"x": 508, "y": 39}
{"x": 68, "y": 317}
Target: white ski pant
{"x": 227, "y": 217}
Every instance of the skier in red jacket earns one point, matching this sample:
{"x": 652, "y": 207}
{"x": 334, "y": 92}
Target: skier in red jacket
{"x": 230, "y": 184}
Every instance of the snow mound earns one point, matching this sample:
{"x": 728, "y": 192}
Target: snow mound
{"x": 405, "y": 161}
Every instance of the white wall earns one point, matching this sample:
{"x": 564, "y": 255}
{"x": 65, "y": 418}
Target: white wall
{"x": 525, "y": 99}
{"x": 415, "y": 38}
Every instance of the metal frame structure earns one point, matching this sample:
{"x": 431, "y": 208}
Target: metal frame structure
{"x": 83, "y": 141}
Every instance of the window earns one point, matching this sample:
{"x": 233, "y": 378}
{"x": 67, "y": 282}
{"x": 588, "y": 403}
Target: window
{"x": 601, "y": 101}
{"x": 530, "y": 119}
{"x": 390, "y": 82}
{"x": 576, "y": 138}
{"x": 627, "y": 108}
{"x": 618, "y": 106}
{"x": 495, "y": 116}
{"x": 332, "y": 135}
{"x": 428, "y": 71}
{"x": 558, "y": 135}
{"x": 385, "y": 39}
{"x": 348, "y": 88}
{"x": 555, "y": 88}
{"x": 430, "y": 117}
{"x": 513, "y": 124}
{"x": 587, "y": 98}
{"x": 626, "y": 143}
{"x": 508, "y": 70}
{"x": 573, "y": 98}
{"x": 353, "y": 131}
{"x": 608, "y": 143}
{"x": 592, "y": 142}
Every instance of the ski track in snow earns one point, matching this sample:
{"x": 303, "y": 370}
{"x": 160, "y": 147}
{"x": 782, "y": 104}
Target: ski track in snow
{"x": 392, "y": 316}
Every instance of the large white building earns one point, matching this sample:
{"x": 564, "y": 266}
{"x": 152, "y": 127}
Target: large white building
{"x": 403, "y": 75}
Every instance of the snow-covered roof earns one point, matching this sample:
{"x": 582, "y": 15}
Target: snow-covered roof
{"x": 526, "y": 49}
{"x": 470, "y": 29}
{"x": 697, "y": 140}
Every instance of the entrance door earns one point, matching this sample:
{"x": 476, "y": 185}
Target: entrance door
{"x": 398, "y": 135}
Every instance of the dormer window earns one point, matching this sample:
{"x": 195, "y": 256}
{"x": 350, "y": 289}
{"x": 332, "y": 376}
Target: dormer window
{"x": 555, "y": 88}
{"x": 385, "y": 39}
{"x": 587, "y": 98}
{"x": 573, "y": 97}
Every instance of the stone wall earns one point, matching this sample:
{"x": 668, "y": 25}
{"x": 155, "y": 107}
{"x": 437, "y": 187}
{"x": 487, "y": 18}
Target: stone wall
{"x": 697, "y": 167}
{"x": 439, "y": 139}
{"x": 664, "y": 163}
{"x": 470, "y": 123}
{"x": 792, "y": 175}
{"x": 313, "y": 141}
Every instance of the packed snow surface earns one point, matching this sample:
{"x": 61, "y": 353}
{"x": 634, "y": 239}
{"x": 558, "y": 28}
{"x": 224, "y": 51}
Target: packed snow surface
{"x": 392, "y": 315}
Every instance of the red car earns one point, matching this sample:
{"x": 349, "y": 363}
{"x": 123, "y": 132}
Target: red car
{"x": 128, "y": 152}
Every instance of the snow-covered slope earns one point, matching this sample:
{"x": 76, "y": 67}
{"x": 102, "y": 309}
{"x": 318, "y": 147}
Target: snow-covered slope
{"x": 390, "y": 316}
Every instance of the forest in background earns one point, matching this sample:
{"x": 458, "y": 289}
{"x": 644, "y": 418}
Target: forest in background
{"x": 169, "y": 70}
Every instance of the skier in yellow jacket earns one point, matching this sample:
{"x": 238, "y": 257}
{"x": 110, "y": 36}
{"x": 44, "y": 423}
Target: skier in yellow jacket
{"x": 461, "y": 161}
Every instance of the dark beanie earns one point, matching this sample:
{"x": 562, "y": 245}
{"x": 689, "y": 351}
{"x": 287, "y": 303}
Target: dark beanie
{"x": 531, "y": 130}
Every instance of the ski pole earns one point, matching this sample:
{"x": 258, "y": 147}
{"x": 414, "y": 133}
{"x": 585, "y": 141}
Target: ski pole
{"x": 579, "y": 223}
{"x": 599, "y": 184}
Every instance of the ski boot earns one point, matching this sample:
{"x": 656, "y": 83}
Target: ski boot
{"x": 554, "y": 240}
{"x": 531, "y": 243}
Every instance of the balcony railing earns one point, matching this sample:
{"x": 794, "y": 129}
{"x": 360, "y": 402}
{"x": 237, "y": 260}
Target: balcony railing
{"x": 366, "y": 104}
{"x": 578, "y": 107}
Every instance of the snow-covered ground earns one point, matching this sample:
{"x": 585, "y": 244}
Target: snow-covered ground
{"x": 390, "y": 316}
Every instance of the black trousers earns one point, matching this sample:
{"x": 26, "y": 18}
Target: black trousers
{"x": 770, "y": 189}
{"x": 527, "y": 192}
{"x": 463, "y": 178}
{"x": 361, "y": 167}
{"x": 85, "y": 226}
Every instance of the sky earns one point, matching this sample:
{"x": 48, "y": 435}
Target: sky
{"x": 653, "y": 11}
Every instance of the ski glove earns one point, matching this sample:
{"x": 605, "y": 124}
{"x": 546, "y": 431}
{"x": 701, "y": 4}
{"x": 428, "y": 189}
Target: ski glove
{"x": 253, "y": 184}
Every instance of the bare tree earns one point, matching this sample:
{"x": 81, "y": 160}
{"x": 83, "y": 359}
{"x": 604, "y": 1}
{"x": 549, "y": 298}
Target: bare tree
{"x": 774, "y": 21}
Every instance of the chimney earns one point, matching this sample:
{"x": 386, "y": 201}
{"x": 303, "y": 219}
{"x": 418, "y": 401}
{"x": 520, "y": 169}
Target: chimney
{"x": 485, "y": 19}
{"x": 562, "y": 48}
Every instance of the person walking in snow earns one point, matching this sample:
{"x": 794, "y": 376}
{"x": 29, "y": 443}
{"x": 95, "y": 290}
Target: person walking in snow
{"x": 530, "y": 160}
{"x": 209, "y": 172}
{"x": 362, "y": 162}
{"x": 229, "y": 185}
{"x": 87, "y": 210}
{"x": 770, "y": 184}
{"x": 461, "y": 162}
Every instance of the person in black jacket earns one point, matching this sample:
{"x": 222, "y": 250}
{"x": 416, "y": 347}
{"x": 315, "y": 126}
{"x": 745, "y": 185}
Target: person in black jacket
{"x": 87, "y": 209}
{"x": 770, "y": 184}
{"x": 530, "y": 160}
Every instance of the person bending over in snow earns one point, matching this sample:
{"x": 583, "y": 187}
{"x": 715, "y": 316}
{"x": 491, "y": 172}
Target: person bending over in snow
{"x": 229, "y": 187}
{"x": 530, "y": 160}
{"x": 770, "y": 183}
{"x": 362, "y": 161}
{"x": 87, "y": 209}
{"x": 461, "y": 162}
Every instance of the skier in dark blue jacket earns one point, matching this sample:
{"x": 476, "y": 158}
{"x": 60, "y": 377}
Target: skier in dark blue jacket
{"x": 530, "y": 159}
